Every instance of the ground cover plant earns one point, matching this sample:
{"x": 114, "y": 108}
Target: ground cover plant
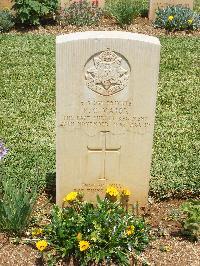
{"x": 28, "y": 112}
{"x": 16, "y": 206}
{"x": 6, "y": 20}
{"x": 124, "y": 11}
{"x": 94, "y": 234}
{"x": 191, "y": 219}
{"x": 16, "y": 201}
{"x": 177, "y": 18}
{"x": 31, "y": 12}
{"x": 80, "y": 13}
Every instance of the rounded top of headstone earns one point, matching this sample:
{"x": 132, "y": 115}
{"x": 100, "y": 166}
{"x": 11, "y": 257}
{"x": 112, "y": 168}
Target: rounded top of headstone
{"x": 107, "y": 35}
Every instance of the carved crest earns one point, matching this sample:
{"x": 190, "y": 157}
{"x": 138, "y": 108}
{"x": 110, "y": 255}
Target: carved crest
{"x": 107, "y": 76}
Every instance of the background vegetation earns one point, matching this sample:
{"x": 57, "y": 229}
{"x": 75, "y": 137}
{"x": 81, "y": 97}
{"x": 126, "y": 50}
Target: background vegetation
{"x": 27, "y": 117}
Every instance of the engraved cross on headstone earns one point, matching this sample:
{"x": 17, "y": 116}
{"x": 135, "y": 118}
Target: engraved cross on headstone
{"x": 104, "y": 150}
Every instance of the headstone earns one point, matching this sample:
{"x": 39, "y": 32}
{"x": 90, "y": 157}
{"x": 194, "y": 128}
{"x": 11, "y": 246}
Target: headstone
{"x": 106, "y": 98}
{"x": 155, "y": 4}
{"x": 66, "y": 3}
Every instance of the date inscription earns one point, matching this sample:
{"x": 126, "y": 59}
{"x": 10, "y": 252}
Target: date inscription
{"x": 107, "y": 115}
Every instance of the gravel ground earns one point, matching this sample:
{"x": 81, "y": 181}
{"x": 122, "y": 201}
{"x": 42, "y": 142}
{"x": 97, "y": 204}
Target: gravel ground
{"x": 140, "y": 25}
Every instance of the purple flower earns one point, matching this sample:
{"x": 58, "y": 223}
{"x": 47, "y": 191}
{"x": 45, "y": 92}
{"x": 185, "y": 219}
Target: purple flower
{"x": 3, "y": 150}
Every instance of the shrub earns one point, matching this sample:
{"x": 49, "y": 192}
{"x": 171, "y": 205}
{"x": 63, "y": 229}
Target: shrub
{"x": 80, "y": 13}
{"x": 191, "y": 222}
{"x": 143, "y": 7}
{"x": 30, "y": 12}
{"x": 102, "y": 233}
{"x": 6, "y": 20}
{"x": 16, "y": 206}
{"x": 177, "y": 18}
{"x": 122, "y": 10}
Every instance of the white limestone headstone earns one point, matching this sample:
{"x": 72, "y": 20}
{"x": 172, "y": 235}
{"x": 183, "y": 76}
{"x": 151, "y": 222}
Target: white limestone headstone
{"x": 106, "y": 98}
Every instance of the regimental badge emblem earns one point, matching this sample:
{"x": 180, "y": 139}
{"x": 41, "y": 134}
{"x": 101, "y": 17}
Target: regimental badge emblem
{"x": 107, "y": 73}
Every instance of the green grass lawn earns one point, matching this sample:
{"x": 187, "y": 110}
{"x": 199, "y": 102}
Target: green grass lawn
{"x": 27, "y": 116}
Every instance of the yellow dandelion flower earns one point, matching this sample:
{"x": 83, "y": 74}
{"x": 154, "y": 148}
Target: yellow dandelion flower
{"x": 170, "y": 18}
{"x": 71, "y": 196}
{"x": 168, "y": 248}
{"x": 126, "y": 192}
{"x": 84, "y": 245}
{"x": 130, "y": 230}
{"x": 190, "y": 21}
{"x": 37, "y": 231}
{"x": 79, "y": 236}
{"x": 41, "y": 245}
{"x": 112, "y": 191}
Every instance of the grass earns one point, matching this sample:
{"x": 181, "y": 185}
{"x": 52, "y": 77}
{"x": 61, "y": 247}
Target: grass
{"x": 27, "y": 117}
{"x": 28, "y": 105}
{"x": 176, "y": 163}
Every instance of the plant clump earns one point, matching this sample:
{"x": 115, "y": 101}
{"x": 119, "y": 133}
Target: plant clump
{"x": 16, "y": 205}
{"x": 31, "y": 12}
{"x": 177, "y": 18}
{"x": 81, "y": 13}
{"x": 16, "y": 201}
{"x": 191, "y": 220}
{"x": 123, "y": 11}
{"x": 105, "y": 232}
{"x": 6, "y": 21}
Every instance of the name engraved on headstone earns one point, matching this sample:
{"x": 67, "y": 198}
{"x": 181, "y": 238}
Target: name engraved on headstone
{"x": 109, "y": 114}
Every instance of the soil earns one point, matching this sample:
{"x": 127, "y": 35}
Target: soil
{"x": 168, "y": 246}
{"x": 139, "y": 25}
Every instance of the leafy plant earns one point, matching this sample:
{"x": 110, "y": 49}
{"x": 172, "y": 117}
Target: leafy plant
{"x": 124, "y": 11}
{"x": 6, "y": 20}
{"x": 30, "y": 12}
{"x": 16, "y": 205}
{"x": 80, "y": 13}
{"x": 143, "y": 8}
{"x": 101, "y": 233}
{"x": 177, "y": 18}
{"x": 191, "y": 222}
